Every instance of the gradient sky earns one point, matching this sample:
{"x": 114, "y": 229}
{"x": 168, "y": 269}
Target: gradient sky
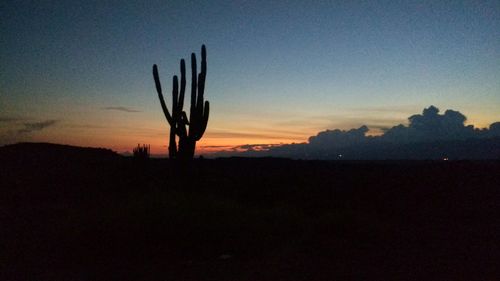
{"x": 278, "y": 71}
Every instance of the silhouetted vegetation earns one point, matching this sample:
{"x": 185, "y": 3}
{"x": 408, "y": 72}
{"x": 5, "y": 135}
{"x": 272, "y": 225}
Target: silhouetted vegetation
{"x": 199, "y": 109}
{"x": 72, "y": 213}
{"x": 142, "y": 152}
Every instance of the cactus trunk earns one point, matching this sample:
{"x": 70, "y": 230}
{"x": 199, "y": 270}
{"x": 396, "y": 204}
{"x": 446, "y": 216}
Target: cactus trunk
{"x": 187, "y": 148}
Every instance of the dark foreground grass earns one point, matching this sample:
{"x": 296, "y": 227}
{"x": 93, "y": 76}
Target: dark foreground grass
{"x": 249, "y": 219}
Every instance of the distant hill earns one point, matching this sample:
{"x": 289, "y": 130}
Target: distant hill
{"x": 52, "y": 153}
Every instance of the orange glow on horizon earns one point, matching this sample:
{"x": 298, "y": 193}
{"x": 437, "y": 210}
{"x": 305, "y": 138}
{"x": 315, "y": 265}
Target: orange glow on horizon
{"x": 122, "y": 137}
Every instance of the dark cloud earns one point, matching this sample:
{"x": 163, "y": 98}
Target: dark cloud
{"x": 243, "y": 150}
{"x": 255, "y": 147}
{"x": 36, "y": 126}
{"x": 494, "y": 130}
{"x": 432, "y": 126}
{"x": 214, "y": 146}
{"x": 429, "y": 135}
{"x": 121, "y": 108}
{"x": 426, "y": 127}
{"x": 7, "y": 119}
{"x": 339, "y": 138}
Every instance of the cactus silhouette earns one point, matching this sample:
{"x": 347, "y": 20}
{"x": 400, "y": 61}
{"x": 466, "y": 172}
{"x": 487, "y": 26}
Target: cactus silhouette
{"x": 142, "y": 151}
{"x": 199, "y": 110}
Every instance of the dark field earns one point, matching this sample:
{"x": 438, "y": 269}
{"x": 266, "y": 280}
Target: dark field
{"x": 75, "y": 214}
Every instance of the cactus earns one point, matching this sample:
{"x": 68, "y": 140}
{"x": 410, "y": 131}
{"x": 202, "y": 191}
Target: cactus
{"x": 142, "y": 151}
{"x": 199, "y": 110}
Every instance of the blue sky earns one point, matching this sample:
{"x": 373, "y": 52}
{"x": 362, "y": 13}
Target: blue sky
{"x": 278, "y": 72}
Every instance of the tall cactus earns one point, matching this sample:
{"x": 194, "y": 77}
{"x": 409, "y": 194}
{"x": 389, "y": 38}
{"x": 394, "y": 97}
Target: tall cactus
{"x": 199, "y": 110}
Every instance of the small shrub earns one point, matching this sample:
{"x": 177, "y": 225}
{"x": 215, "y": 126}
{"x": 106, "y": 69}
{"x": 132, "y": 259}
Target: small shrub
{"x": 142, "y": 151}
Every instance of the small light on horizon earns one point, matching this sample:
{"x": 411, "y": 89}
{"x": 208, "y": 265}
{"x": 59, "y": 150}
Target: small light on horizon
{"x": 445, "y": 159}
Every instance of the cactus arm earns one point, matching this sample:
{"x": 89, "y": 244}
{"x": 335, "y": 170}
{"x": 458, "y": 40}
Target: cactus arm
{"x": 172, "y": 146}
{"x": 201, "y": 90}
{"x": 175, "y": 94}
{"x": 160, "y": 95}
{"x": 183, "y": 84}
{"x": 178, "y": 102}
{"x": 181, "y": 125}
{"x": 201, "y": 111}
{"x": 204, "y": 121}
{"x": 206, "y": 112}
{"x": 201, "y": 80}
{"x": 184, "y": 118}
{"x": 175, "y": 97}
{"x": 203, "y": 59}
{"x": 194, "y": 84}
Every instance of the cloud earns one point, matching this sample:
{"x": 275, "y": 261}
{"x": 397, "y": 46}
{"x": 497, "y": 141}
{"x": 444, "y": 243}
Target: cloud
{"x": 222, "y": 134}
{"x": 213, "y": 146}
{"x": 494, "y": 130}
{"x": 36, "y": 126}
{"x": 254, "y": 147}
{"x": 8, "y": 119}
{"x": 432, "y": 126}
{"x": 121, "y": 108}
{"x": 429, "y": 135}
{"x": 426, "y": 127}
{"x": 245, "y": 150}
{"x": 339, "y": 138}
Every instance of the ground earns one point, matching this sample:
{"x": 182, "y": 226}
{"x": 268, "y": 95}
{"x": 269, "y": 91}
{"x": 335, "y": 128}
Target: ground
{"x": 93, "y": 215}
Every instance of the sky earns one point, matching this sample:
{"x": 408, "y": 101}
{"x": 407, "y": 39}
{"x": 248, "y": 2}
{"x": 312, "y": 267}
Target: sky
{"x": 80, "y": 73}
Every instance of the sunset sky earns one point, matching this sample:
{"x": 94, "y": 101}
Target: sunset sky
{"x": 278, "y": 71}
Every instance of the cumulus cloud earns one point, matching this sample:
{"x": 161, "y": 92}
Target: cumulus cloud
{"x": 426, "y": 127}
{"x": 428, "y": 135}
{"x": 121, "y": 108}
{"x": 36, "y": 126}
{"x": 432, "y": 126}
{"x": 339, "y": 138}
{"x": 494, "y": 130}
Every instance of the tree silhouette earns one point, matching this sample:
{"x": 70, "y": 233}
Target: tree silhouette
{"x": 199, "y": 109}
